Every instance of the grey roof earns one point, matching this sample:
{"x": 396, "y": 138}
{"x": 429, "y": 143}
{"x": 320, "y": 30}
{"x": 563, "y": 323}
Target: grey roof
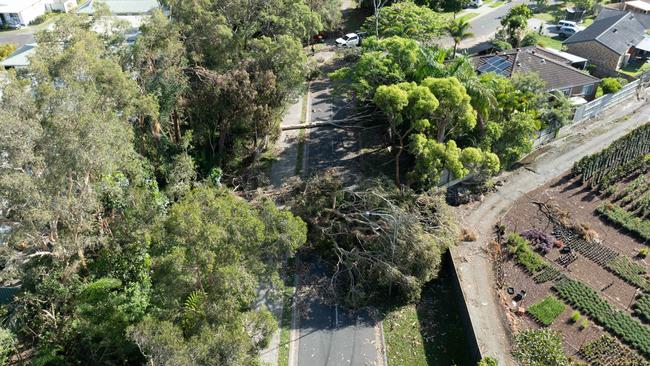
{"x": 608, "y": 11}
{"x": 118, "y": 7}
{"x": 556, "y": 74}
{"x": 20, "y": 57}
{"x": 618, "y": 33}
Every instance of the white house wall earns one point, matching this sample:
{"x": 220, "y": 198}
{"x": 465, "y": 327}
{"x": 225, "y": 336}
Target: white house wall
{"x": 31, "y": 12}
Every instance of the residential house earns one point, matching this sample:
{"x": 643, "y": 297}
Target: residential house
{"x": 133, "y": 11}
{"x": 16, "y": 13}
{"x": 20, "y": 58}
{"x": 611, "y": 10}
{"x": 554, "y": 68}
{"x": 608, "y": 43}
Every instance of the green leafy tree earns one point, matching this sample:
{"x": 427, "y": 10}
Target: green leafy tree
{"x": 513, "y": 137}
{"x": 588, "y": 6}
{"x": 516, "y": 22}
{"x": 459, "y": 30}
{"x": 383, "y": 62}
{"x": 213, "y": 252}
{"x": 407, "y": 107}
{"x": 537, "y": 347}
{"x": 455, "y": 116}
{"x": 406, "y": 19}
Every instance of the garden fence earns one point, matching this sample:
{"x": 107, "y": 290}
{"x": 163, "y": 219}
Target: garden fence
{"x": 599, "y": 105}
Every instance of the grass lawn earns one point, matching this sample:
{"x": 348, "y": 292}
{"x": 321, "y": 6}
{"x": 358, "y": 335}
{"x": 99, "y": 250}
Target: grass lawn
{"x": 555, "y": 43}
{"x": 546, "y": 310}
{"x": 547, "y": 17}
{"x": 468, "y": 16}
{"x": 430, "y": 332}
{"x": 635, "y": 68}
{"x": 496, "y": 4}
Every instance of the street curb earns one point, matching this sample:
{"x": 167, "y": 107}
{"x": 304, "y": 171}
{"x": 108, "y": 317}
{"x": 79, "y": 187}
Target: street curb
{"x": 294, "y": 341}
{"x": 383, "y": 343}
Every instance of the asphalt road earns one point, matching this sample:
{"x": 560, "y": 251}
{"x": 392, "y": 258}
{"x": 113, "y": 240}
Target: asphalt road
{"x": 332, "y": 336}
{"x": 18, "y": 39}
{"x": 485, "y": 26}
{"x": 329, "y": 147}
{"x": 329, "y": 334}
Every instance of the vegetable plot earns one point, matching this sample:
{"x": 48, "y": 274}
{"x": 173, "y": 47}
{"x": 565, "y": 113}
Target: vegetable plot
{"x": 619, "y": 159}
{"x": 546, "y": 310}
{"x": 584, "y": 298}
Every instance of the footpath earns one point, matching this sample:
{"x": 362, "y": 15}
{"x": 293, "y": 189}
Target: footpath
{"x": 472, "y": 259}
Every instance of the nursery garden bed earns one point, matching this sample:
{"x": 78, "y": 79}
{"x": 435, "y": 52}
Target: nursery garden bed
{"x": 580, "y": 244}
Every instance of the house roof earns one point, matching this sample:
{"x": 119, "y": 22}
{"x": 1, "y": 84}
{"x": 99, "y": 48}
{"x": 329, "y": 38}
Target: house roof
{"x": 569, "y": 57}
{"x": 644, "y": 44}
{"x": 618, "y": 33}
{"x": 608, "y": 11}
{"x": 638, "y": 4}
{"x": 555, "y": 73}
{"x": 16, "y": 6}
{"x": 121, "y": 6}
{"x": 20, "y": 57}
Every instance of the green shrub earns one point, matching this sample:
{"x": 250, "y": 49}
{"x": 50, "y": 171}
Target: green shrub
{"x": 540, "y": 347}
{"x": 488, "y": 361}
{"x": 631, "y": 272}
{"x": 531, "y": 39}
{"x": 575, "y": 316}
{"x": 642, "y": 307}
{"x": 585, "y": 324}
{"x": 610, "y": 85}
{"x": 584, "y": 298}
{"x": 628, "y": 220}
{"x": 546, "y": 310}
{"x": 524, "y": 254}
{"x": 643, "y": 252}
{"x": 6, "y": 49}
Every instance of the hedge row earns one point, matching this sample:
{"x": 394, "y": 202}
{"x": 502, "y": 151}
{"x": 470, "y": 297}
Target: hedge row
{"x": 585, "y": 299}
{"x": 629, "y": 221}
{"x": 642, "y": 307}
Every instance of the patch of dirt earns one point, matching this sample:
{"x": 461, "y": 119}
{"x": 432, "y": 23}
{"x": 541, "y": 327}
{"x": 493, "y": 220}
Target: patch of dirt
{"x": 580, "y": 203}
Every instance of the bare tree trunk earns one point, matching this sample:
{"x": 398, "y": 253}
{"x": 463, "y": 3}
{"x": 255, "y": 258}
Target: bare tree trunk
{"x": 397, "y": 157}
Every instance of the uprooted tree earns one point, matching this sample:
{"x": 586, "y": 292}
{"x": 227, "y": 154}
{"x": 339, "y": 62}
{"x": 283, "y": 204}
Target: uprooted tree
{"x": 381, "y": 242}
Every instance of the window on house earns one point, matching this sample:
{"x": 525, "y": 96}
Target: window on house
{"x": 566, "y": 91}
{"x": 588, "y": 89}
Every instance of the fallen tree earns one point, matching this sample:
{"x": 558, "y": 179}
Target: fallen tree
{"x": 382, "y": 242}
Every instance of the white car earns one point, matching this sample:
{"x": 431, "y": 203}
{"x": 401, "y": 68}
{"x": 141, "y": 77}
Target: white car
{"x": 349, "y": 40}
{"x": 568, "y": 31}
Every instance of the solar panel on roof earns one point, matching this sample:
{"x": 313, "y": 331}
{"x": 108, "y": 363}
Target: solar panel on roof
{"x": 495, "y": 64}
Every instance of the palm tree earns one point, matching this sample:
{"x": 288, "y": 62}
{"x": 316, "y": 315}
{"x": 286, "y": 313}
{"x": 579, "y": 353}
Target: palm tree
{"x": 459, "y": 30}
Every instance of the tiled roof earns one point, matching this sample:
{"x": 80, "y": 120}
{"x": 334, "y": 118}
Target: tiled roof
{"x": 555, "y": 73}
{"x": 618, "y": 33}
{"x": 607, "y": 11}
